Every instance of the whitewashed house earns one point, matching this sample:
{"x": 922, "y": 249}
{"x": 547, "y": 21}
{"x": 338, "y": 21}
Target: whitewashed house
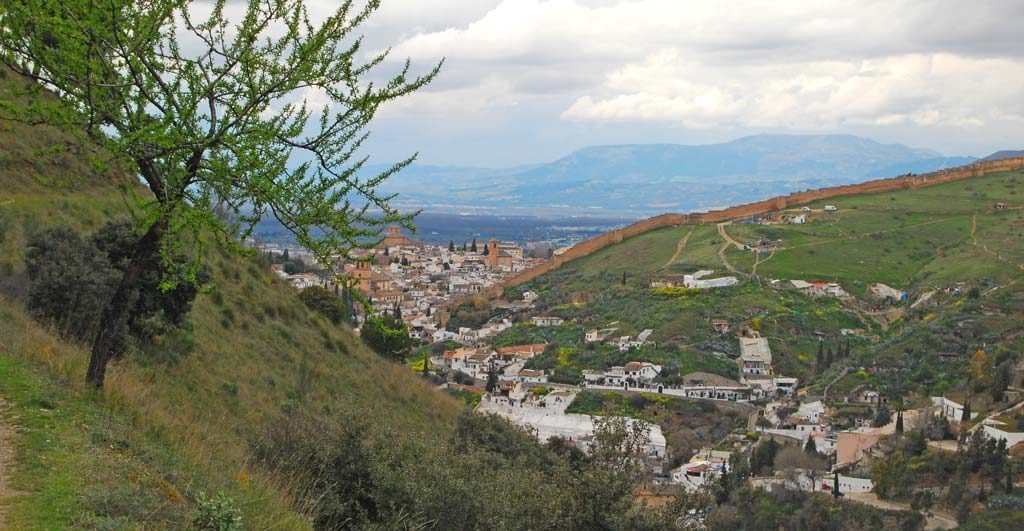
{"x": 546, "y": 321}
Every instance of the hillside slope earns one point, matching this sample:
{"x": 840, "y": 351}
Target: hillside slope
{"x": 163, "y": 432}
{"x": 947, "y": 243}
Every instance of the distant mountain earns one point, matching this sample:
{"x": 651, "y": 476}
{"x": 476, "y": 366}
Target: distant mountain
{"x": 646, "y": 179}
{"x": 920, "y": 166}
{"x": 1005, "y": 154}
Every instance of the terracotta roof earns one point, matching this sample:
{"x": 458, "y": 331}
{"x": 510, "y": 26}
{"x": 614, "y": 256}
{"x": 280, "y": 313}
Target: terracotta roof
{"x": 535, "y": 348}
{"x": 634, "y": 366}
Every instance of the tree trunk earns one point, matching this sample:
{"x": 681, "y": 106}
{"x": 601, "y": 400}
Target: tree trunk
{"x": 109, "y": 340}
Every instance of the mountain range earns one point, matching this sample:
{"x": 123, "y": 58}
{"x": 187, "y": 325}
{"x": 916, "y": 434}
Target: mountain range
{"x": 647, "y": 179}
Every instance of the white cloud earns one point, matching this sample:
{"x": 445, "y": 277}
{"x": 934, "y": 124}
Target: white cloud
{"x": 942, "y": 73}
{"x": 917, "y": 89}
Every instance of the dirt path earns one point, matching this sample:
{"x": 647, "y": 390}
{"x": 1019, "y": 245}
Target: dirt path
{"x": 679, "y": 249}
{"x": 728, "y": 241}
{"x": 6, "y": 462}
{"x": 758, "y": 261}
{"x": 937, "y": 520}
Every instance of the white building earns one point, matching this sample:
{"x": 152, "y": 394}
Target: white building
{"x": 546, "y": 321}
{"x": 696, "y": 280}
{"x": 755, "y": 358}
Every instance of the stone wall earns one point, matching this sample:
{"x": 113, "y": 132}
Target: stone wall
{"x": 906, "y": 182}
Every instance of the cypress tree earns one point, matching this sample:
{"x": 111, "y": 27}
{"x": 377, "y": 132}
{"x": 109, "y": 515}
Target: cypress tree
{"x": 899, "y": 421}
{"x": 487, "y": 250}
{"x": 967, "y": 411}
{"x": 623, "y": 278}
{"x": 835, "y": 484}
{"x": 820, "y": 359}
{"x": 1009, "y": 478}
{"x": 492, "y": 378}
{"x": 473, "y": 247}
{"x": 451, "y": 246}
{"x": 811, "y": 447}
{"x": 426, "y": 363}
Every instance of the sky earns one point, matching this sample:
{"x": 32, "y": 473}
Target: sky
{"x": 527, "y": 81}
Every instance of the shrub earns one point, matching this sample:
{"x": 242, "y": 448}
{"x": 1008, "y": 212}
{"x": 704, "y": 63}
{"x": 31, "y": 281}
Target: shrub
{"x": 325, "y": 303}
{"x": 216, "y": 514}
{"x": 70, "y": 279}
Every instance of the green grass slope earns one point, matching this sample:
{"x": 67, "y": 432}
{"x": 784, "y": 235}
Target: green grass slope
{"x": 945, "y": 236}
{"x": 139, "y": 454}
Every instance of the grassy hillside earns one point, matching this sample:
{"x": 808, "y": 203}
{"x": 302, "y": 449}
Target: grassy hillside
{"x": 923, "y": 241}
{"x": 162, "y": 432}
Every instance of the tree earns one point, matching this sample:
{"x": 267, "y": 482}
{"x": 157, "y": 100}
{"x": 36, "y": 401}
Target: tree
{"x": 451, "y": 246}
{"x": 623, "y": 278}
{"x": 284, "y": 256}
{"x": 1009, "y": 478}
{"x": 835, "y": 484}
{"x": 70, "y": 278}
{"x": 899, "y": 421}
{"x": 492, "y": 378}
{"x": 387, "y": 336}
{"x": 819, "y": 360}
{"x": 966, "y": 416}
{"x": 487, "y": 250}
{"x": 763, "y": 457}
{"x": 811, "y": 448}
{"x": 980, "y": 370}
{"x": 322, "y": 301}
{"x": 211, "y": 114}
{"x": 473, "y": 247}
{"x": 882, "y": 417}
{"x": 1001, "y": 380}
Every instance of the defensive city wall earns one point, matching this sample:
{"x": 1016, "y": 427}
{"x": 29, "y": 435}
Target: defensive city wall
{"x": 904, "y": 182}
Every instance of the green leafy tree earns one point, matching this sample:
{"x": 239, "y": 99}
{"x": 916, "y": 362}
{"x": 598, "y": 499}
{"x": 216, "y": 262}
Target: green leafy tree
{"x": 212, "y": 113}
{"x": 387, "y": 336}
{"x": 324, "y": 302}
{"x": 71, "y": 276}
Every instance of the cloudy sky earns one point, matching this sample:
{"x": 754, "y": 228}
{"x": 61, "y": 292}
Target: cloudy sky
{"x": 530, "y": 80}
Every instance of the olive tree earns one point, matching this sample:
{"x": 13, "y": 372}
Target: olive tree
{"x": 209, "y": 104}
